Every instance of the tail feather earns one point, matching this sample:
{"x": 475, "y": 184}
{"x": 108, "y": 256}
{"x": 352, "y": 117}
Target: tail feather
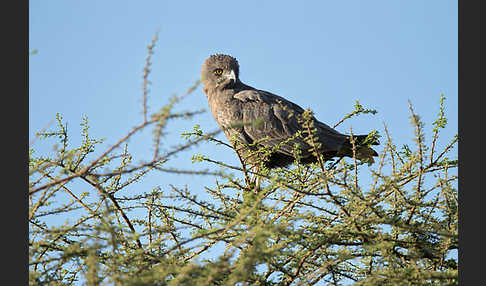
{"x": 359, "y": 139}
{"x": 363, "y": 152}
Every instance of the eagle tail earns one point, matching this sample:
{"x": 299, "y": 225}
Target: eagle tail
{"x": 363, "y": 151}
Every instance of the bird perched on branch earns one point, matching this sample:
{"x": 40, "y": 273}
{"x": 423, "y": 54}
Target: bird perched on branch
{"x": 254, "y": 116}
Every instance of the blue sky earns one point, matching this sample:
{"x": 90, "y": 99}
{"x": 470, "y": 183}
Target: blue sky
{"x": 322, "y": 55}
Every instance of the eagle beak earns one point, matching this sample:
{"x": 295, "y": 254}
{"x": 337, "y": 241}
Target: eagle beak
{"x": 231, "y": 75}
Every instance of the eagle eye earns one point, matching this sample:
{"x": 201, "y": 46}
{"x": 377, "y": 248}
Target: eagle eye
{"x": 218, "y": 72}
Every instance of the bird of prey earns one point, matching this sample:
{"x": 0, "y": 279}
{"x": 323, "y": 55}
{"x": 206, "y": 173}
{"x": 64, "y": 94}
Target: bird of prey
{"x": 277, "y": 121}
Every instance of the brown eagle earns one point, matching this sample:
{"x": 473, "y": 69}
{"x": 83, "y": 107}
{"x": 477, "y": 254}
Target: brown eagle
{"x": 235, "y": 106}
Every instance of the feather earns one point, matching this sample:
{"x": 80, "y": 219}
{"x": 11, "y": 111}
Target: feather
{"x": 258, "y": 116}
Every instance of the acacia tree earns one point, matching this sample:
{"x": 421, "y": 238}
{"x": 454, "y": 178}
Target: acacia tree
{"x": 391, "y": 223}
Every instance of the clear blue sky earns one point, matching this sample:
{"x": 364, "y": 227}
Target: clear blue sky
{"x": 322, "y": 55}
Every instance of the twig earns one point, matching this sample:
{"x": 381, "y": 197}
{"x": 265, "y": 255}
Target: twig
{"x": 146, "y": 72}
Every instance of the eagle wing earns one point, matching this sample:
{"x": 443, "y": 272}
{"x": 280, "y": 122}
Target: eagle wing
{"x": 277, "y": 120}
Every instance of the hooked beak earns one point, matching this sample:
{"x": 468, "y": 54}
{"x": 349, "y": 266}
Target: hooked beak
{"x": 231, "y": 75}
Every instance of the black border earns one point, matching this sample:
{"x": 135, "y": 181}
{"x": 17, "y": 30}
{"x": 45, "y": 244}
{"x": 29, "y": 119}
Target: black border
{"x": 14, "y": 21}
{"x": 471, "y": 142}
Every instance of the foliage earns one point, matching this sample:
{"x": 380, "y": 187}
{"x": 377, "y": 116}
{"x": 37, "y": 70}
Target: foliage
{"x": 393, "y": 223}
